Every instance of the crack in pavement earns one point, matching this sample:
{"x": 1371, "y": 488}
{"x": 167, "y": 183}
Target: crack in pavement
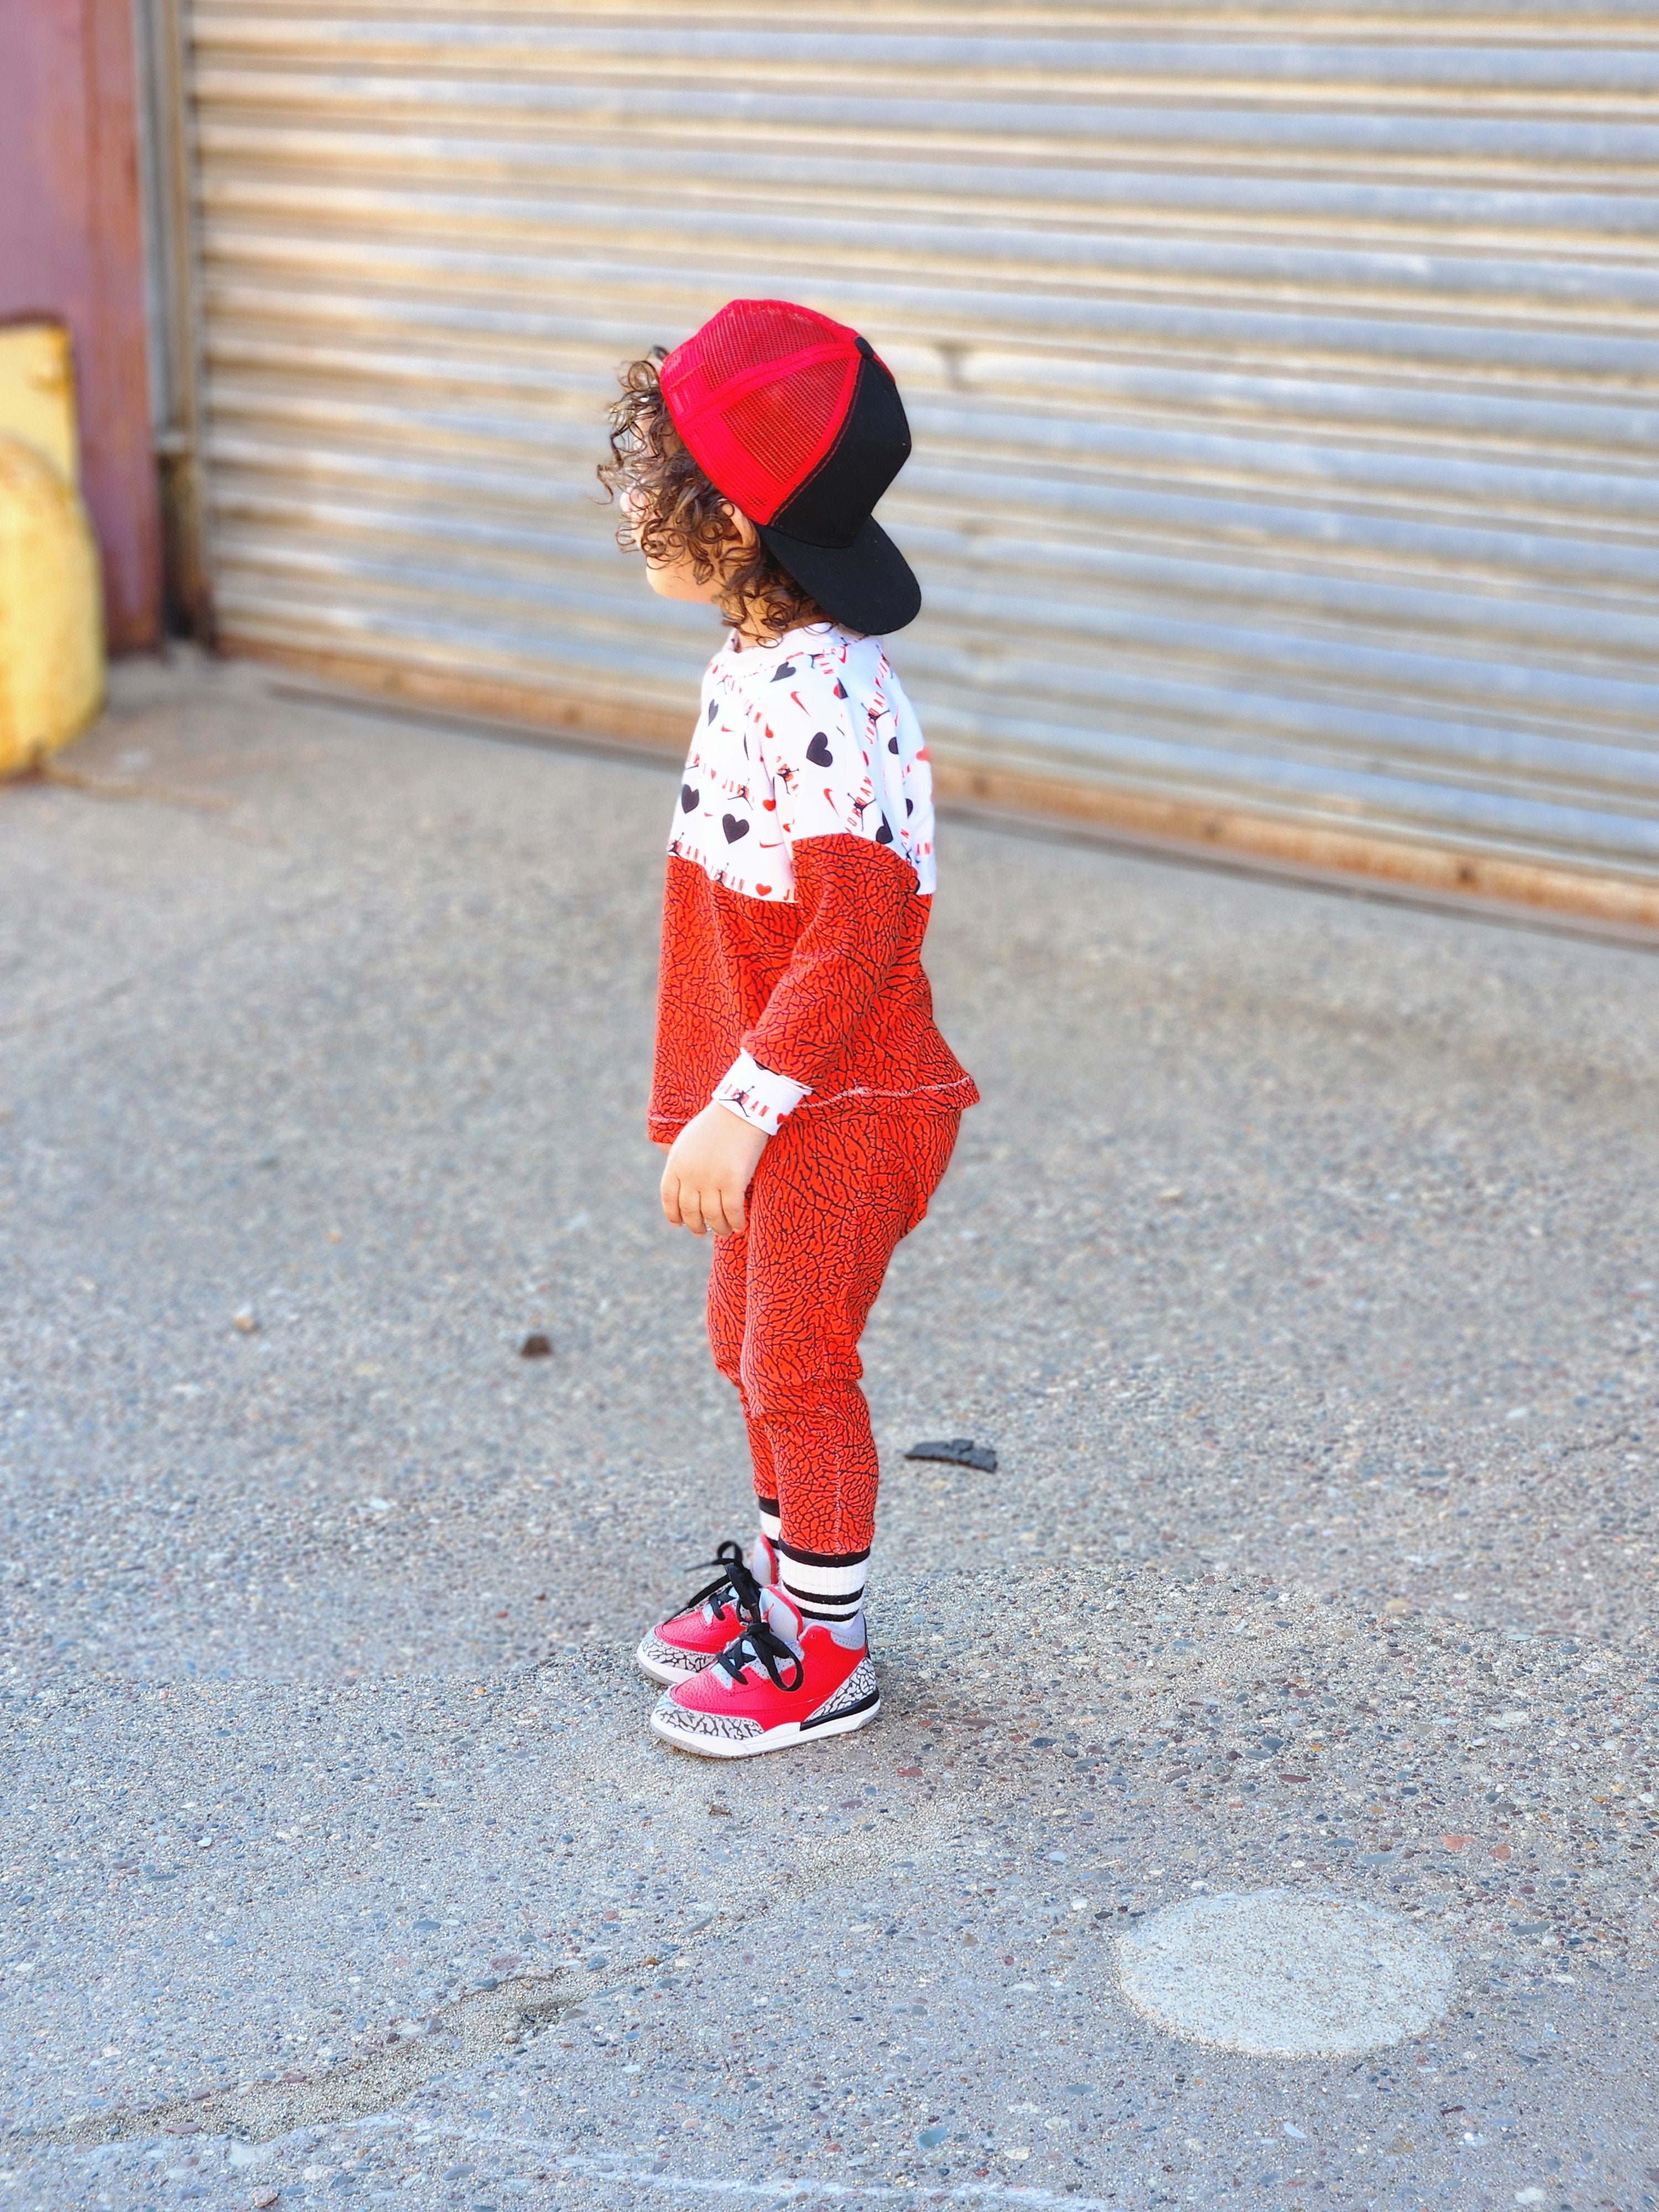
{"x": 480, "y": 2025}
{"x": 476, "y": 2026}
{"x": 483, "y": 2024}
{"x": 161, "y": 794}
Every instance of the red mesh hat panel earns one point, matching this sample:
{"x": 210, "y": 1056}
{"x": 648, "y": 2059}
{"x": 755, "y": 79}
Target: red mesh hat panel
{"x": 785, "y": 428}
{"x": 747, "y": 332}
{"x": 759, "y": 394}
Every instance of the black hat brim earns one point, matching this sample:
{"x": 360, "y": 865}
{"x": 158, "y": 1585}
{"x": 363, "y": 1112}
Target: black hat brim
{"x": 867, "y": 585}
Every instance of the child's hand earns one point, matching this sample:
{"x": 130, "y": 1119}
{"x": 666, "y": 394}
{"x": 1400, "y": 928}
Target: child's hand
{"x": 710, "y": 1165}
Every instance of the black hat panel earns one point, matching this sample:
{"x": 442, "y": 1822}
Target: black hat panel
{"x": 867, "y": 585}
{"x": 870, "y": 447}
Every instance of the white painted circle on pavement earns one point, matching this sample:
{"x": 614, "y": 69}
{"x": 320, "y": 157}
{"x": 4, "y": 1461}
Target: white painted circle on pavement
{"x": 1284, "y": 1974}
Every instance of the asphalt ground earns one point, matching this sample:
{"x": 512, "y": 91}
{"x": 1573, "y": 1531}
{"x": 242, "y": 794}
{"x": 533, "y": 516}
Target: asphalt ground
{"x": 1301, "y": 1266}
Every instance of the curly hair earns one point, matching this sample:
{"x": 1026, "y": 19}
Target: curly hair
{"x": 677, "y": 514}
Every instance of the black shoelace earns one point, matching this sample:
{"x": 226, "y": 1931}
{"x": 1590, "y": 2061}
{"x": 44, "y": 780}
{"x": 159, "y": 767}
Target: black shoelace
{"x": 759, "y": 1647}
{"x": 733, "y": 1581}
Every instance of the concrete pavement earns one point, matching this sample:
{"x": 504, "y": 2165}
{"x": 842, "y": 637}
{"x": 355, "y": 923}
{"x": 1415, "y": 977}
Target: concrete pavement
{"x": 1301, "y": 1265}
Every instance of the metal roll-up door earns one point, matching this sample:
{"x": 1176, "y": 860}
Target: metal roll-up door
{"x": 1283, "y": 382}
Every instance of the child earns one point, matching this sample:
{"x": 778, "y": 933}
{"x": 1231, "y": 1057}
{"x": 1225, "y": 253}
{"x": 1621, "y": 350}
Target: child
{"x": 808, "y": 1101}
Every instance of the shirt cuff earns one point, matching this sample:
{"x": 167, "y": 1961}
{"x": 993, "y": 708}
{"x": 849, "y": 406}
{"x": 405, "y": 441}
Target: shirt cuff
{"x": 757, "y": 1095}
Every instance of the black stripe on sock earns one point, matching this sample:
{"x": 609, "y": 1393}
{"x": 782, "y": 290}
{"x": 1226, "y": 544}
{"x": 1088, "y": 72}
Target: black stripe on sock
{"x": 824, "y": 1558}
{"x": 798, "y": 1586}
{"x": 825, "y": 1608}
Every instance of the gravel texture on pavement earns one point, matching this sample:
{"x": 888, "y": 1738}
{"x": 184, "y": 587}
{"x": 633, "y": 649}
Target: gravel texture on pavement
{"x": 1299, "y": 1267}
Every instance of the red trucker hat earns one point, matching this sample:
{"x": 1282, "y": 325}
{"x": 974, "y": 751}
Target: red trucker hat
{"x": 800, "y": 425}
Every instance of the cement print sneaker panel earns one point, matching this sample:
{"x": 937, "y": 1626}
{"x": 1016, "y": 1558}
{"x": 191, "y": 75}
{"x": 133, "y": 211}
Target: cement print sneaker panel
{"x": 678, "y": 1649}
{"x": 770, "y": 1690}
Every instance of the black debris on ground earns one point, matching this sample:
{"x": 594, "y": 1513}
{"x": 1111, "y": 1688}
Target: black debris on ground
{"x": 958, "y": 1451}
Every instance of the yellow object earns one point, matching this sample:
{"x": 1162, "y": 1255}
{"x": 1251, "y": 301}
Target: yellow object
{"x": 36, "y": 392}
{"x": 52, "y": 622}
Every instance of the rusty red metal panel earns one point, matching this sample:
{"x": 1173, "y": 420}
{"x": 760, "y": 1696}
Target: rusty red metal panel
{"x": 71, "y": 245}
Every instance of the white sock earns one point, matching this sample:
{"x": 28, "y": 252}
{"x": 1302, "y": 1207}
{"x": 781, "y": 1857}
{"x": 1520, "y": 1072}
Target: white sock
{"x": 784, "y": 1617}
{"x": 825, "y": 1588}
{"x": 763, "y": 1557}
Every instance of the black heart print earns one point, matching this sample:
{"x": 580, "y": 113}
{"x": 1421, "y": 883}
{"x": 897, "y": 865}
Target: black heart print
{"x": 883, "y": 835}
{"x": 688, "y": 797}
{"x": 780, "y": 674}
{"x": 712, "y": 705}
{"x": 892, "y": 744}
{"x": 840, "y": 688}
{"x": 733, "y": 828}
{"x": 819, "y": 750}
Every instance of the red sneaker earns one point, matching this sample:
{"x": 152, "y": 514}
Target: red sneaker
{"x": 781, "y": 1682}
{"x": 679, "y": 1648}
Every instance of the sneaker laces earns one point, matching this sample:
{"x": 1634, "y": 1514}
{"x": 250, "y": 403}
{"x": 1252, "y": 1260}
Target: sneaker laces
{"x": 760, "y": 1645}
{"x": 734, "y": 1579}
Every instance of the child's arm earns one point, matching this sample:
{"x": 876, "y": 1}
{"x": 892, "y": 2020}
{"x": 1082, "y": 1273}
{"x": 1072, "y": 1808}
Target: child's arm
{"x": 853, "y": 895}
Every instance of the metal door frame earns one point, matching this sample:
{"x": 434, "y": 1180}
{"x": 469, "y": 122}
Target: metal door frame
{"x": 167, "y": 179}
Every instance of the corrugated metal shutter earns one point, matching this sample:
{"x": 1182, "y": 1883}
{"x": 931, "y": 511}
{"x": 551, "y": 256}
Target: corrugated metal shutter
{"x": 1283, "y": 380}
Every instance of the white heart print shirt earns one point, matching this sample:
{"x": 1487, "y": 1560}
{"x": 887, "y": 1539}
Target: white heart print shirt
{"x": 812, "y": 737}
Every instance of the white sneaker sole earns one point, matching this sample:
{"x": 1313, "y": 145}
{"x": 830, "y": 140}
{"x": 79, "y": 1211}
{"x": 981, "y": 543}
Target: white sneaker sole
{"x": 653, "y": 1661}
{"x": 776, "y": 1739}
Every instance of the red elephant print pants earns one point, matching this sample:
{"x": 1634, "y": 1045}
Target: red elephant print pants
{"x": 788, "y": 1299}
